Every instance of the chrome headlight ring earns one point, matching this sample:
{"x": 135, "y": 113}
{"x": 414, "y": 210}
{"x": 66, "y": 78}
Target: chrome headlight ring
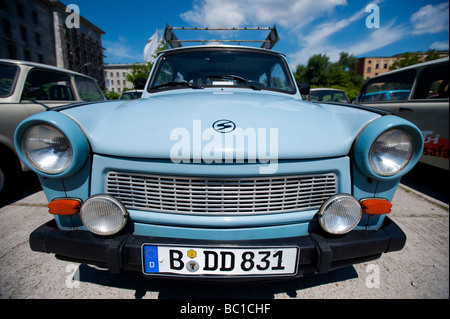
{"x": 391, "y": 152}
{"x": 47, "y": 149}
{"x": 51, "y": 144}
{"x": 388, "y": 148}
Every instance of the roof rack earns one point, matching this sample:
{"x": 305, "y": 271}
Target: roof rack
{"x": 174, "y": 42}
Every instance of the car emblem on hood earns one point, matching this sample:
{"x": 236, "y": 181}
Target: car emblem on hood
{"x": 224, "y": 126}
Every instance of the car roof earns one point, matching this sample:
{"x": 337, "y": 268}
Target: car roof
{"x": 325, "y": 89}
{"x": 387, "y": 91}
{"x": 132, "y": 91}
{"x": 44, "y": 66}
{"x": 223, "y": 46}
{"x": 415, "y": 66}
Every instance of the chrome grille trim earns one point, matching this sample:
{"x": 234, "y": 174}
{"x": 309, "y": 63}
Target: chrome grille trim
{"x": 228, "y": 195}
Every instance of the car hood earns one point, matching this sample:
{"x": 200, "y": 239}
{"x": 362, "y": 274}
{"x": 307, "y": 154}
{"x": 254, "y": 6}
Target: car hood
{"x": 179, "y": 124}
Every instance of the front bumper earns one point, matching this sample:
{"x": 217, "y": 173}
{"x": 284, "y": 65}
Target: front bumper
{"x": 320, "y": 253}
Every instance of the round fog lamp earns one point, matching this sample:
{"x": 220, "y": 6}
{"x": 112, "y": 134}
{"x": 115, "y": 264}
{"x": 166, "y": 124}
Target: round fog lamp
{"x": 340, "y": 214}
{"x": 103, "y": 215}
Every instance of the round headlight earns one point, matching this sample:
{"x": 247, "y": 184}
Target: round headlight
{"x": 47, "y": 149}
{"x": 340, "y": 214}
{"x": 391, "y": 152}
{"x": 103, "y": 215}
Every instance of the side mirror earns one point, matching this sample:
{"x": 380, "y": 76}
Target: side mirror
{"x": 139, "y": 83}
{"x": 304, "y": 88}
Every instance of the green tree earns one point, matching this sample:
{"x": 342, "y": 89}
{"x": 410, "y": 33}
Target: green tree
{"x": 347, "y": 62}
{"x": 432, "y": 54}
{"x": 142, "y": 70}
{"x": 318, "y": 70}
{"x": 321, "y": 72}
{"x": 411, "y": 58}
{"x": 139, "y": 70}
{"x": 111, "y": 95}
{"x": 300, "y": 74}
{"x": 407, "y": 58}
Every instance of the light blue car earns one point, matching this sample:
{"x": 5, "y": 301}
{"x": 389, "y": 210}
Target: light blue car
{"x": 386, "y": 95}
{"x": 220, "y": 171}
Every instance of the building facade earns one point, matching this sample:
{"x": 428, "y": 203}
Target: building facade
{"x": 371, "y": 66}
{"x": 115, "y": 77}
{"x": 38, "y": 31}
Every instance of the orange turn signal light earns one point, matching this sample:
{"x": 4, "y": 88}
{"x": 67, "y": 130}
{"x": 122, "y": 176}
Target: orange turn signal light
{"x": 64, "y": 206}
{"x": 376, "y": 206}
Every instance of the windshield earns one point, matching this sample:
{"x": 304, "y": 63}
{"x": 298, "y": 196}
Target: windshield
{"x": 130, "y": 95}
{"x": 8, "y": 74}
{"x": 328, "y": 95}
{"x": 221, "y": 67}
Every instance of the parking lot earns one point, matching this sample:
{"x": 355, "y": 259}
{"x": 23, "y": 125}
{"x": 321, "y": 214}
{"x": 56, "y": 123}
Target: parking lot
{"x": 420, "y": 270}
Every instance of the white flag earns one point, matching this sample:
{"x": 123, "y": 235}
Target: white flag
{"x": 151, "y": 47}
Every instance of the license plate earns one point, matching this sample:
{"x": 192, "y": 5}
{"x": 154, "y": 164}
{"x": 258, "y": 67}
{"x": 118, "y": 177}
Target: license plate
{"x": 219, "y": 261}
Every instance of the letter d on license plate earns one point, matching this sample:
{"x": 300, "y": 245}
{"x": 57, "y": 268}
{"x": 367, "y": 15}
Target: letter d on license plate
{"x": 219, "y": 261}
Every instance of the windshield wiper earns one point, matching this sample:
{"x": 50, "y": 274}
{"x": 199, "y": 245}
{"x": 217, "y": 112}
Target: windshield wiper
{"x": 239, "y": 79}
{"x": 175, "y": 83}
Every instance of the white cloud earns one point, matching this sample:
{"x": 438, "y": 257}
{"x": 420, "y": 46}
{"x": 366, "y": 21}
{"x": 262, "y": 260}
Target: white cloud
{"x": 323, "y": 31}
{"x": 440, "y": 45}
{"x": 120, "y": 50}
{"x": 431, "y": 19}
{"x": 317, "y": 42}
{"x": 292, "y": 14}
{"x": 297, "y": 17}
{"x": 232, "y": 13}
{"x": 378, "y": 38}
{"x": 216, "y": 13}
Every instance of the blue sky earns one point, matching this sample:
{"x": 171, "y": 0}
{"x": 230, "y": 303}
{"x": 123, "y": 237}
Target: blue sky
{"x": 306, "y": 27}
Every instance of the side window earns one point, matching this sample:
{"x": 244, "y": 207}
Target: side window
{"x": 179, "y": 77}
{"x": 263, "y": 79}
{"x": 278, "y": 78}
{"x": 166, "y": 74}
{"x": 393, "y": 87}
{"x": 8, "y": 76}
{"x": 48, "y": 85}
{"x": 88, "y": 89}
{"x": 433, "y": 83}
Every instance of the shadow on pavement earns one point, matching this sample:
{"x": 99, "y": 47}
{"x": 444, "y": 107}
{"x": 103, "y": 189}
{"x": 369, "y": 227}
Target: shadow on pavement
{"x": 181, "y": 289}
{"x": 26, "y": 184}
{"x": 428, "y": 180}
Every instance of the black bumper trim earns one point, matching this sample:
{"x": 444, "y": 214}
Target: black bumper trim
{"x": 319, "y": 253}
{"x": 324, "y": 253}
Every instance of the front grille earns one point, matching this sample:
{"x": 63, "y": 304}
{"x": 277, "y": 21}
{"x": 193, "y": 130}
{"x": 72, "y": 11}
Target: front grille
{"x": 205, "y": 195}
